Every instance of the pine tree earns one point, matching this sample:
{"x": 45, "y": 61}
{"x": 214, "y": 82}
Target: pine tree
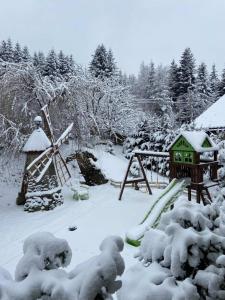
{"x": 111, "y": 65}
{"x": 26, "y": 54}
{"x": 9, "y": 51}
{"x": 174, "y": 81}
{"x": 151, "y": 84}
{"x": 17, "y": 55}
{"x": 99, "y": 64}
{"x": 214, "y": 84}
{"x": 202, "y": 90}
{"x": 35, "y": 59}
{"x": 187, "y": 71}
{"x": 3, "y": 51}
{"x": 186, "y": 99}
{"x": 63, "y": 64}
{"x": 51, "y": 65}
{"x": 222, "y": 84}
{"x": 142, "y": 81}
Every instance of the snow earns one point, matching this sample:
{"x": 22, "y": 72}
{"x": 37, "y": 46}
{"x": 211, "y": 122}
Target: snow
{"x": 96, "y": 218}
{"x": 196, "y": 139}
{"x": 152, "y": 153}
{"x": 64, "y": 135}
{"x": 38, "y": 141}
{"x": 213, "y": 117}
{"x": 157, "y": 206}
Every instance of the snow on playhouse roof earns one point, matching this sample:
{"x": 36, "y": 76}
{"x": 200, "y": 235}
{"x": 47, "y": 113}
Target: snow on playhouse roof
{"x": 38, "y": 141}
{"x": 213, "y": 117}
{"x": 196, "y": 139}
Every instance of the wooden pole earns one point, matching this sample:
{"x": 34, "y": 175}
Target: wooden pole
{"x": 144, "y": 175}
{"x": 125, "y": 178}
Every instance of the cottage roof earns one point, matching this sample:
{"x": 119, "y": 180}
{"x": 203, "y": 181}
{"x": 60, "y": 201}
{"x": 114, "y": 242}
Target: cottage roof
{"x": 196, "y": 140}
{"x": 213, "y": 117}
{"x": 38, "y": 141}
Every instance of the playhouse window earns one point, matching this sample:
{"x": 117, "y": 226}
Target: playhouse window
{"x": 188, "y": 157}
{"x": 178, "y": 156}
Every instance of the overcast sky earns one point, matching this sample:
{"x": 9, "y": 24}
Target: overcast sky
{"x": 136, "y": 30}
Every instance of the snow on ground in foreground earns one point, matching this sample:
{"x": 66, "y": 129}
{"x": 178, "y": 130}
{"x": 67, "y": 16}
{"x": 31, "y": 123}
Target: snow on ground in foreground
{"x": 95, "y": 218}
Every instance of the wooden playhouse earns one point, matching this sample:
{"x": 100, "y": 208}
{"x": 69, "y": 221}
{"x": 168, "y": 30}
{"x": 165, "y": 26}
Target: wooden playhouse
{"x": 192, "y": 153}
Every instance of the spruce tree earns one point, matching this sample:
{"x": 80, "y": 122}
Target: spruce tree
{"x": 35, "y": 59}
{"x": 99, "y": 64}
{"x": 187, "y": 71}
{"x": 63, "y": 64}
{"x": 174, "y": 81}
{"x": 3, "y": 51}
{"x": 17, "y": 54}
{"x": 51, "y": 65}
{"x": 222, "y": 84}
{"x": 111, "y": 65}
{"x": 26, "y": 54}
{"x": 9, "y": 51}
{"x": 142, "y": 81}
{"x": 214, "y": 84}
{"x": 186, "y": 99}
{"x": 202, "y": 89}
{"x": 151, "y": 84}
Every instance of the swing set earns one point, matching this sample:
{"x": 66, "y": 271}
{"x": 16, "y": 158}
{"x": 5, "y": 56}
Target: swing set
{"x": 139, "y": 155}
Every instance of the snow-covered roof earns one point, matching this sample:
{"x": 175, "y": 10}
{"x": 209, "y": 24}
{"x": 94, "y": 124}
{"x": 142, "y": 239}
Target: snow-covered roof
{"x": 196, "y": 139}
{"x": 38, "y": 141}
{"x": 213, "y": 117}
{"x": 37, "y": 119}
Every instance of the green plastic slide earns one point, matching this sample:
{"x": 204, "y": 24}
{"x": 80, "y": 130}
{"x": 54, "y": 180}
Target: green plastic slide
{"x": 160, "y": 205}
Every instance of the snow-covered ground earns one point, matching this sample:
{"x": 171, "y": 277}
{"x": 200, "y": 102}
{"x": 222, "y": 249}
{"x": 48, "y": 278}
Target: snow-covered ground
{"x": 96, "y": 218}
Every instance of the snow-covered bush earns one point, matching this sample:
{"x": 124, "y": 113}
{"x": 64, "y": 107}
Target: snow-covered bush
{"x": 149, "y": 139}
{"x": 39, "y": 274}
{"x": 182, "y": 259}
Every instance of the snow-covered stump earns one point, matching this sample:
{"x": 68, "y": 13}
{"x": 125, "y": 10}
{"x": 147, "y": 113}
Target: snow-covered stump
{"x": 86, "y": 161}
{"x": 39, "y": 275}
{"x": 182, "y": 259}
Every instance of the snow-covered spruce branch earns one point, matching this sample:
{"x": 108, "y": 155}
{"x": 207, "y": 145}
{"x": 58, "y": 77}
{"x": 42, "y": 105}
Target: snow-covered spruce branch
{"x": 182, "y": 259}
{"x": 39, "y": 275}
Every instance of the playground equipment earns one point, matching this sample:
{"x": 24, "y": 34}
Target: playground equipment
{"x": 187, "y": 166}
{"x": 186, "y": 160}
{"x": 159, "y": 205}
{"x": 134, "y": 181}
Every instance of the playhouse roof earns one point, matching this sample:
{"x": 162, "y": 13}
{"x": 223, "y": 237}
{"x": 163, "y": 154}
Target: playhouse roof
{"x": 38, "y": 141}
{"x": 213, "y": 117}
{"x": 196, "y": 140}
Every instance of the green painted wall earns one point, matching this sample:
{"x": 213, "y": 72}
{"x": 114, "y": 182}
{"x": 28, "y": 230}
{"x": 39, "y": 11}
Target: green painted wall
{"x": 183, "y": 152}
{"x": 206, "y": 144}
{"x": 182, "y": 145}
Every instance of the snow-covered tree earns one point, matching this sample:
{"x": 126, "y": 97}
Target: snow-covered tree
{"x": 202, "y": 89}
{"x": 183, "y": 258}
{"x": 51, "y": 68}
{"x": 214, "y": 83}
{"x": 3, "y": 51}
{"x": 222, "y": 84}
{"x": 26, "y": 54}
{"x": 18, "y": 54}
{"x": 99, "y": 64}
{"x": 39, "y": 273}
{"x": 187, "y": 71}
{"x": 174, "y": 81}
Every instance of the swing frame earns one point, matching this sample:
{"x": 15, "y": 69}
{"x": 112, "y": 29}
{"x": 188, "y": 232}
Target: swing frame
{"x": 139, "y": 155}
